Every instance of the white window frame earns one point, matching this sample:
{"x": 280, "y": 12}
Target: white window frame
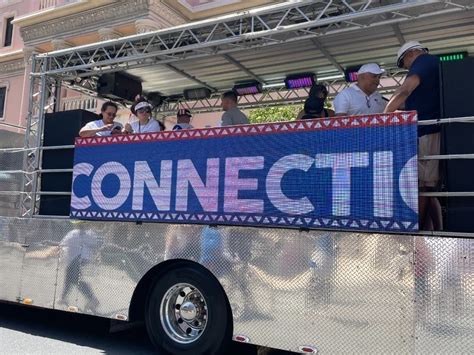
{"x": 6, "y": 85}
{"x": 3, "y": 28}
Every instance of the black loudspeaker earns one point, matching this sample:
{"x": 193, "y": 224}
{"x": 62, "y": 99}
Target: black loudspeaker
{"x": 457, "y": 100}
{"x": 60, "y": 128}
{"x": 116, "y": 86}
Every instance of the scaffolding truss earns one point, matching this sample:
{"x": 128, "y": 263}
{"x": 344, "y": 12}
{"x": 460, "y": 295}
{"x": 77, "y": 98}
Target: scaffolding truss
{"x": 273, "y": 96}
{"x": 274, "y": 24}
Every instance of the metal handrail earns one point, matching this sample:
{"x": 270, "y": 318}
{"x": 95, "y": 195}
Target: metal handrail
{"x": 447, "y": 194}
{"x": 43, "y": 171}
{"x": 12, "y": 193}
{"x": 52, "y": 193}
{"x": 467, "y": 119}
{"x": 22, "y": 149}
{"x": 447, "y": 157}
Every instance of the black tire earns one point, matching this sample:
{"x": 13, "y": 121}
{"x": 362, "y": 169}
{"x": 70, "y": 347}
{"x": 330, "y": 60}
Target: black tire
{"x": 216, "y": 335}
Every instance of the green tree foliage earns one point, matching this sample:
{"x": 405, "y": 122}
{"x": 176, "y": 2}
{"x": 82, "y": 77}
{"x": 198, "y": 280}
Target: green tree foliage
{"x": 275, "y": 113}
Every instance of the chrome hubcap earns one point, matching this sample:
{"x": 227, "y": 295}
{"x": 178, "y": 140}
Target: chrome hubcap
{"x": 188, "y": 311}
{"x": 183, "y": 313}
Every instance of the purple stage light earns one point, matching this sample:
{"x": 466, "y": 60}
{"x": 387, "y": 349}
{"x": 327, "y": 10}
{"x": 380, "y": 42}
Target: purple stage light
{"x": 297, "y": 81}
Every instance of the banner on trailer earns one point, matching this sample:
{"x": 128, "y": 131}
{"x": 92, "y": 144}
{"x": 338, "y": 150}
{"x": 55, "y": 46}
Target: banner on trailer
{"x": 344, "y": 173}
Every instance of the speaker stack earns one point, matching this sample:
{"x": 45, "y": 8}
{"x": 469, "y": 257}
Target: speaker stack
{"x": 117, "y": 86}
{"x": 60, "y": 128}
{"x": 457, "y": 100}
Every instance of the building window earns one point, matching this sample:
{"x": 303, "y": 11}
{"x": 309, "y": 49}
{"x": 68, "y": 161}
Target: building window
{"x": 3, "y": 94}
{"x": 8, "y": 32}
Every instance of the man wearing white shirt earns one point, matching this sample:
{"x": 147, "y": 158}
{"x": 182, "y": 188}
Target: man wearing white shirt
{"x": 106, "y": 125}
{"x": 362, "y": 98}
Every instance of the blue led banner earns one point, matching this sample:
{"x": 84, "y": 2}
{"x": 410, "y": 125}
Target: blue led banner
{"x": 343, "y": 173}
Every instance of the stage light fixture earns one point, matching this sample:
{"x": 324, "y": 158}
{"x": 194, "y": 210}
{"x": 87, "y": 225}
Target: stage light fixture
{"x": 197, "y": 93}
{"x": 301, "y": 80}
{"x": 248, "y": 88}
{"x": 350, "y": 73}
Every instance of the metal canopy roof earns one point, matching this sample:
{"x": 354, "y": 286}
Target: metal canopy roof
{"x": 441, "y": 33}
{"x": 271, "y": 42}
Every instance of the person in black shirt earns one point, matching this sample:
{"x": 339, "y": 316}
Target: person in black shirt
{"x": 314, "y": 104}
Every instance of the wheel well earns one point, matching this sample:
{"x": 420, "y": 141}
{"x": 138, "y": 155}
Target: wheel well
{"x": 138, "y": 302}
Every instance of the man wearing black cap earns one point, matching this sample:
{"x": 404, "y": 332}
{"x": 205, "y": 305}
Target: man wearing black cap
{"x": 420, "y": 91}
{"x": 183, "y": 119}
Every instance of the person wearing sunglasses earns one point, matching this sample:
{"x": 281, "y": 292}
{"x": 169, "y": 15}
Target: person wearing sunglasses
{"x": 144, "y": 122}
{"x": 362, "y": 98}
{"x": 105, "y": 125}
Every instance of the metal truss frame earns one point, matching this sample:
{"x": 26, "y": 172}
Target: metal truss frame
{"x": 275, "y": 24}
{"x": 44, "y": 97}
{"x": 272, "y": 96}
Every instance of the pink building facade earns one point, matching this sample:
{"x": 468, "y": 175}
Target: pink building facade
{"x": 14, "y": 68}
{"x": 28, "y": 27}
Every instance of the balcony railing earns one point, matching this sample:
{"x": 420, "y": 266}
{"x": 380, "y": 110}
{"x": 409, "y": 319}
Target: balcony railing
{"x": 83, "y": 103}
{"x": 46, "y": 4}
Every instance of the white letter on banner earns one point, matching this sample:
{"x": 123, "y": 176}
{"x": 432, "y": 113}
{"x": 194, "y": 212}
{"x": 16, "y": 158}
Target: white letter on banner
{"x": 80, "y": 203}
{"x": 408, "y": 183}
{"x": 383, "y": 184}
{"x": 274, "y": 177}
{"x": 207, "y": 194}
{"x": 341, "y": 164}
{"x": 111, "y": 203}
{"x": 233, "y": 185}
{"x": 161, "y": 194}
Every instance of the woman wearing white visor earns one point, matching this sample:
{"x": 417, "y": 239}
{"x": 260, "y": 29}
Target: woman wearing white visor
{"x": 144, "y": 122}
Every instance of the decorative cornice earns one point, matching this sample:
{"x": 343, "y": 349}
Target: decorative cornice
{"x": 12, "y": 66}
{"x": 164, "y": 15}
{"x": 85, "y": 21}
{"x": 144, "y": 25}
{"x": 59, "y": 43}
{"x": 106, "y": 33}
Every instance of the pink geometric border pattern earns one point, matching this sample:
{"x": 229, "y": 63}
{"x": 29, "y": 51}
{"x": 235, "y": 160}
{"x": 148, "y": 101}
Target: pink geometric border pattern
{"x": 247, "y": 219}
{"x": 389, "y": 119}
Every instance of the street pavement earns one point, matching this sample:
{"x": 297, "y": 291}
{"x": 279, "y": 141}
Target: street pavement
{"x": 29, "y": 330}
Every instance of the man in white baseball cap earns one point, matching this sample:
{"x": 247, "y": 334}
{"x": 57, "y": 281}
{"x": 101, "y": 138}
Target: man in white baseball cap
{"x": 362, "y": 98}
{"x": 421, "y": 92}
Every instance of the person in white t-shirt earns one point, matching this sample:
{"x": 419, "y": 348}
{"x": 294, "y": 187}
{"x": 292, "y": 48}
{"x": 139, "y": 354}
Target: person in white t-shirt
{"x": 144, "y": 122}
{"x": 79, "y": 247}
{"x": 106, "y": 125}
{"x": 362, "y": 98}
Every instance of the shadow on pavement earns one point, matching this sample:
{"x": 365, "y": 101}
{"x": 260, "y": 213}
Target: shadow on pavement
{"x": 92, "y": 332}
{"x": 73, "y": 328}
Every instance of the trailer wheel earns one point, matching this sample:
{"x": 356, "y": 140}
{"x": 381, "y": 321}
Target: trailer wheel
{"x": 187, "y": 313}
